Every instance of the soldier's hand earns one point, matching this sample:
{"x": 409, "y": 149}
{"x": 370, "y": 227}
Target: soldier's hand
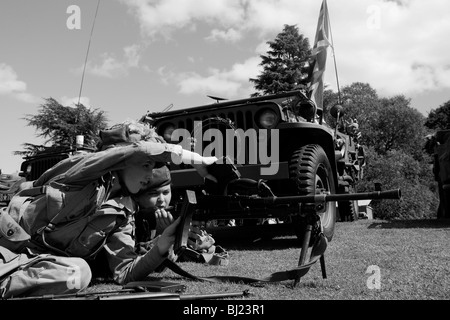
{"x": 199, "y": 239}
{"x": 167, "y": 238}
{"x": 202, "y": 168}
{"x": 163, "y": 219}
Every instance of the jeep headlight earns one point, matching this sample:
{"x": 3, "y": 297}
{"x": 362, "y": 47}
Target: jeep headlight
{"x": 167, "y": 132}
{"x": 267, "y": 119}
{"x": 306, "y": 110}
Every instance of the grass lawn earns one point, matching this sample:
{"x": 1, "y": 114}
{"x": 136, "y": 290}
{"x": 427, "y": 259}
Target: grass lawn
{"x": 412, "y": 259}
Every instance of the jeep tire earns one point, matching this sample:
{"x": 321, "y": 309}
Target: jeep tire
{"x": 311, "y": 171}
{"x": 348, "y": 210}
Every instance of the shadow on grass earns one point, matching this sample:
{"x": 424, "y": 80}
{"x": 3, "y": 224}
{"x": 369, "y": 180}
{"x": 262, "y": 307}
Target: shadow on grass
{"x": 259, "y": 244}
{"x": 411, "y": 224}
{"x": 261, "y": 237}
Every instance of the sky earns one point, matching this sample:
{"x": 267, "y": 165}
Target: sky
{"x": 145, "y": 55}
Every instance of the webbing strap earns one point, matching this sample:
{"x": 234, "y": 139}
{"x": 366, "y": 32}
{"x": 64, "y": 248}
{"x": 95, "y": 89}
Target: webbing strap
{"x": 317, "y": 251}
{"x": 104, "y": 181}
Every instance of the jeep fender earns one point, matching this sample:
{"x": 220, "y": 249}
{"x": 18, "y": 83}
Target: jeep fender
{"x": 295, "y": 135}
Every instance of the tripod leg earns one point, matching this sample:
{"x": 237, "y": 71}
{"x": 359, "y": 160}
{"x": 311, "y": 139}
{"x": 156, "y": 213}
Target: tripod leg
{"x": 304, "y": 250}
{"x": 322, "y": 266}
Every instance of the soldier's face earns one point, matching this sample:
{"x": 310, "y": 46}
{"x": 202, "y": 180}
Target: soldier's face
{"x": 137, "y": 177}
{"x": 158, "y": 198}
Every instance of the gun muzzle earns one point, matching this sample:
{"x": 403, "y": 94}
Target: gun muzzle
{"x": 388, "y": 194}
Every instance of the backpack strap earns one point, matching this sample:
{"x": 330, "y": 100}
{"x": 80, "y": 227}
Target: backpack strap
{"x": 215, "y": 255}
{"x": 105, "y": 180}
{"x": 317, "y": 252}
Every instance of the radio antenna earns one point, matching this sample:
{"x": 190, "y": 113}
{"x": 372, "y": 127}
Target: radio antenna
{"x": 87, "y": 52}
{"x": 168, "y": 108}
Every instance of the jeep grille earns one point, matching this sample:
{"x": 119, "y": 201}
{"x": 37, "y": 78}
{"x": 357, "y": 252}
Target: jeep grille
{"x": 243, "y": 116}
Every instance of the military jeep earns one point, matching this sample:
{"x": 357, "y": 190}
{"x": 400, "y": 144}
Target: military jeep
{"x": 281, "y": 139}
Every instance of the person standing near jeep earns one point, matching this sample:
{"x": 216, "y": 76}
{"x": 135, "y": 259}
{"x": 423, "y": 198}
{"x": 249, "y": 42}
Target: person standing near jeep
{"x": 80, "y": 206}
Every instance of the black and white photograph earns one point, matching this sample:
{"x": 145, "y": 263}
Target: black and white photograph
{"x": 238, "y": 156}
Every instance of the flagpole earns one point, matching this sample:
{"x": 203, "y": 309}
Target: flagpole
{"x": 320, "y": 52}
{"x": 335, "y": 64}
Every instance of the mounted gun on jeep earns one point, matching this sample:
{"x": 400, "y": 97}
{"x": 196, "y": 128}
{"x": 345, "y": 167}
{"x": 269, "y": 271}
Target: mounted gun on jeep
{"x": 236, "y": 197}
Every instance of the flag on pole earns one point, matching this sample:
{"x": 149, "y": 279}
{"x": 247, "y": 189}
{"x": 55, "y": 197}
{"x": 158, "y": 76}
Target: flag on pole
{"x": 319, "y": 52}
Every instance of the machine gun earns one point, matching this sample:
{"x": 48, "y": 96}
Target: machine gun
{"x": 140, "y": 290}
{"x": 131, "y": 295}
{"x": 257, "y": 201}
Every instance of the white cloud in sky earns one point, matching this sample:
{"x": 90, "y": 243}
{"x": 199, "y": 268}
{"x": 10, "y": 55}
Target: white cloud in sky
{"x": 11, "y": 86}
{"x": 262, "y": 48}
{"x": 216, "y": 83}
{"x": 162, "y": 17}
{"x": 165, "y": 76}
{"x": 228, "y": 83}
{"x": 230, "y": 35}
{"x": 398, "y": 47}
{"x": 112, "y": 67}
{"x": 72, "y": 102}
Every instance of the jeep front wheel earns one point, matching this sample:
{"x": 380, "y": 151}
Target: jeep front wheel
{"x": 310, "y": 169}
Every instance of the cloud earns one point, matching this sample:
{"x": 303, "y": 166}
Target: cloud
{"x": 262, "y": 48}
{"x": 230, "y": 35}
{"x": 132, "y": 55}
{"x": 230, "y": 18}
{"x": 215, "y": 83}
{"x": 161, "y": 17}
{"x": 72, "y": 102}
{"x": 230, "y": 83}
{"x": 398, "y": 47}
{"x": 111, "y": 67}
{"x": 11, "y": 86}
{"x": 165, "y": 76}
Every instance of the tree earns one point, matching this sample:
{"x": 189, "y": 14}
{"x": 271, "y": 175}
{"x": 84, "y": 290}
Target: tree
{"x": 439, "y": 119}
{"x": 393, "y": 135}
{"x": 385, "y": 123}
{"x": 282, "y": 66}
{"x": 398, "y": 169}
{"x": 60, "y": 125}
{"x": 359, "y": 100}
{"x": 397, "y": 126}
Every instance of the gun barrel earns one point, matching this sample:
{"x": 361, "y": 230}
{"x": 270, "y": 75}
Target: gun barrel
{"x": 236, "y": 206}
{"x": 389, "y": 194}
{"x": 142, "y": 296}
{"x": 214, "y": 295}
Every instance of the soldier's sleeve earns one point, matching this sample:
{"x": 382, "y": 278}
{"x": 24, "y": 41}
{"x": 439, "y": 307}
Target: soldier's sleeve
{"x": 126, "y": 265}
{"x": 97, "y": 164}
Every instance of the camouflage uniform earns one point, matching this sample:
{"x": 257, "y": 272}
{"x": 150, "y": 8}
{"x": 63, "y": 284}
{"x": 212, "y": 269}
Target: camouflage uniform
{"x": 30, "y": 268}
